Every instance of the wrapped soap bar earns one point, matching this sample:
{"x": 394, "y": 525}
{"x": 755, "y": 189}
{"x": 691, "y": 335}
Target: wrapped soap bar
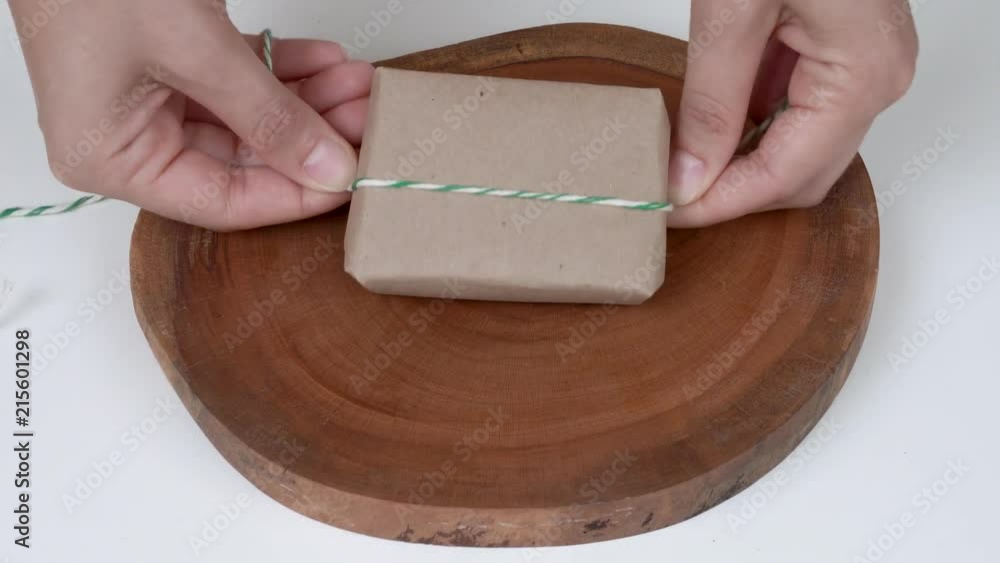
{"x": 536, "y": 144}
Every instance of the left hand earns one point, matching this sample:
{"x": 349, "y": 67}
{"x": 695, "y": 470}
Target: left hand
{"x": 166, "y": 105}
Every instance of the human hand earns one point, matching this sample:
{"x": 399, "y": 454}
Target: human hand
{"x": 166, "y": 105}
{"x": 840, "y": 65}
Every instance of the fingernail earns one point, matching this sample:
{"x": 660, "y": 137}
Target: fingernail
{"x": 686, "y": 177}
{"x": 330, "y": 166}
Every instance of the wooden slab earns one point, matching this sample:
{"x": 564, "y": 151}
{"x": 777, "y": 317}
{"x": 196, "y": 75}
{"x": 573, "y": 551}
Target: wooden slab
{"x": 489, "y": 424}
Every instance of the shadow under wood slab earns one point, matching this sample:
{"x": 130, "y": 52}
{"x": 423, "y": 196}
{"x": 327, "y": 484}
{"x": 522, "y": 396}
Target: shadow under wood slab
{"x": 496, "y": 424}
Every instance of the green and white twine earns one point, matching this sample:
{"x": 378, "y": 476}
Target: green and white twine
{"x": 266, "y": 36}
{"x": 757, "y": 132}
{"x": 85, "y": 201}
{"x": 511, "y": 194}
{"x": 12, "y": 212}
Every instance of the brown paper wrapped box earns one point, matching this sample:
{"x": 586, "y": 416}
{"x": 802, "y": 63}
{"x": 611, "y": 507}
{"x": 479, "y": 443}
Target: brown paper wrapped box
{"x": 512, "y": 134}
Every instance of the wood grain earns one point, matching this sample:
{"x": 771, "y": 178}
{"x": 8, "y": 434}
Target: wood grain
{"x": 489, "y": 424}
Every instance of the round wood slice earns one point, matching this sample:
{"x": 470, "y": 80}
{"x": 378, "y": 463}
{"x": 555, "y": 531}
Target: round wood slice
{"x": 497, "y": 424}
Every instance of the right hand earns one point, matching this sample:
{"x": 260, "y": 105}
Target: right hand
{"x": 166, "y": 105}
{"x": 839, "y": 64}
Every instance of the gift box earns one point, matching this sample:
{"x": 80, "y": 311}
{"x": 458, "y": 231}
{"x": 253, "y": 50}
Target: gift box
{"x": 510, "y": 190}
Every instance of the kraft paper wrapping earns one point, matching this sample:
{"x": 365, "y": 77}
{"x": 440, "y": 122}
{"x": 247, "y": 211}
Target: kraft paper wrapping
{"x": 513, "y": 134}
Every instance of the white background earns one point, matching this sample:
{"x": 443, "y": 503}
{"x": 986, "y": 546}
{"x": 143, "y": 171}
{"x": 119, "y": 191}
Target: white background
{"x": 896, "y": 428}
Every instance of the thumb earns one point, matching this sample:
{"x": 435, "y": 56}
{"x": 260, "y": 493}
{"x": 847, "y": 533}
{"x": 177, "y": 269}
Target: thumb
{"x": 282, "y": 129}
{"x": 723, "y": 57}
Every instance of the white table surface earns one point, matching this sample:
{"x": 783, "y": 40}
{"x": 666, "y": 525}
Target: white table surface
{"x": 896, "y": 429}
